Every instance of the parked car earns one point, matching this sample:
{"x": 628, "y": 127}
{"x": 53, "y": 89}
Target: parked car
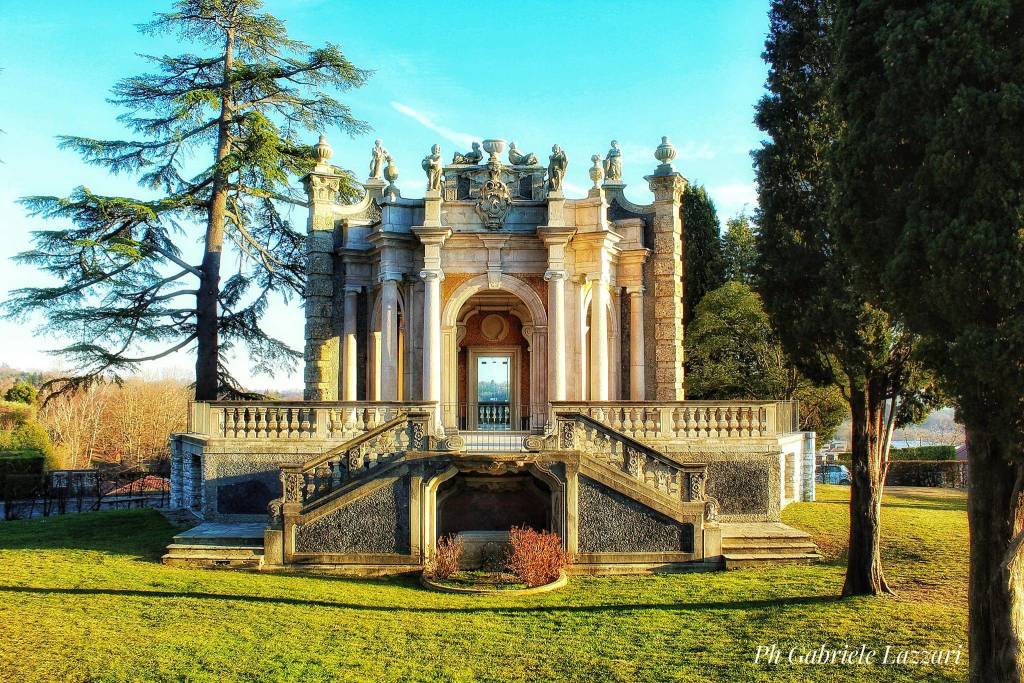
{"x": 832, "y": 474}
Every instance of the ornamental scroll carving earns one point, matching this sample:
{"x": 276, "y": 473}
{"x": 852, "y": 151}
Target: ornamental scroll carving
{"x": 293, "y": 484}
{"x": 495, "y": 200}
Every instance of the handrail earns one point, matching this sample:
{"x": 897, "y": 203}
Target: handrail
{"x": 318, "y": 476}
{"x": 646, "y": 465}
{"x": 363, "y": 438}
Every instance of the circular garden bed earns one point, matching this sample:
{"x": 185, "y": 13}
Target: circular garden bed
{"x": 477, "y": 582}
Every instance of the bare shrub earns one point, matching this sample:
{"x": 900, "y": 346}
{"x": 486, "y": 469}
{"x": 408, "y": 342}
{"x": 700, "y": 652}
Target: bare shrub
{"x": 444, "y": 563}
{"x": 537, "y": 557}
{"x": 494, "y": 557}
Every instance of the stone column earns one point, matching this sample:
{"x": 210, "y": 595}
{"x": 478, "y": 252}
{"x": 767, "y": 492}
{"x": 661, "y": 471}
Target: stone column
{"x": 433, "y": 238}
{"x": 556, "y": 331}
{"x": 599, "y": 340}
{"x": 432, "y": 336}
{"x": 350, "y": 363}
{"x": 667, "y": 279}
{"x": 389, "y": 337}
{"x": 637, "y": 385}
{"x": 321, "y": 372}
{"x": 556, "y": 236}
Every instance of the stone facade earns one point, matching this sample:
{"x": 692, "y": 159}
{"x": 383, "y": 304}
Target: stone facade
{"x": 582, "y": 297}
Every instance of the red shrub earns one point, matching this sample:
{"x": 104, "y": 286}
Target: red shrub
{"x": 444, "y": 563}
{"x": 537, "y": 557}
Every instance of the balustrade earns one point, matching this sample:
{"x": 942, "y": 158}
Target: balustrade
{"x": 651, "y": 469}
{"x": 307, "y": 482}
{"x": 269, "y": 420}
{"x": 689, "y": 419}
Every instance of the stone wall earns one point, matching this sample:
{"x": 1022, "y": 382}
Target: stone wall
{"x": 376, "y": 523}
{"x": 612, "y": 523}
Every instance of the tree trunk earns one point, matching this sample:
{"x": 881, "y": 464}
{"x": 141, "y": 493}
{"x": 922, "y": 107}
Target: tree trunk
{"x": 207, "y": 324}
{"x": 996, "y": 592}
{"x": 864, "y": 574}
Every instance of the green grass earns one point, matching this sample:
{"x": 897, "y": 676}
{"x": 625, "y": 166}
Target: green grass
{"x": 83, "y": 597}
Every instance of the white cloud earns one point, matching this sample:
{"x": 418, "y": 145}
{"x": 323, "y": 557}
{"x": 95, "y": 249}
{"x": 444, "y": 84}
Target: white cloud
{"x": 463, "y": 140}
{"x": 574, "y": 188}
{"x": 733, "y": 198}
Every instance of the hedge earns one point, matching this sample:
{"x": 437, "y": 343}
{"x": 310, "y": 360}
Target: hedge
{"x": 933, "y": 453}
{"x": 938, "y": 473}
{"x": 21, "y": 474}
{"x": 29, "y": 436}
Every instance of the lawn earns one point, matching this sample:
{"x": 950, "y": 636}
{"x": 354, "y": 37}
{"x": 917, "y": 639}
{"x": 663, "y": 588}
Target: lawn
{"x": 84, "y": 598}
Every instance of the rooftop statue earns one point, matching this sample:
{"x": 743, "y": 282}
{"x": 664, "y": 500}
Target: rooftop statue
{"x": 471, "y": 158}
{"x": 556, "y": 168}
{"x": 432, "y": 165}
{"x": 378, "y": 157}
{"x": 517, "y": 159}
{"x": 613, "y": 163}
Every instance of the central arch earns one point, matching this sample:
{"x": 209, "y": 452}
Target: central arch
{"x": 536, "y": 334}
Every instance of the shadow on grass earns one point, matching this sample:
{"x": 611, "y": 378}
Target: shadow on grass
{"x": 140, "y": 533}
{"x": 298, "y": 602}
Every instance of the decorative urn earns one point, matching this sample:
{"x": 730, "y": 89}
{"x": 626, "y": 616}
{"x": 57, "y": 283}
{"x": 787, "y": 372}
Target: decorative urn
{"x": 665, "y": 153}
{"x": 494, "y": 148}
{"x": 322, "y": 150}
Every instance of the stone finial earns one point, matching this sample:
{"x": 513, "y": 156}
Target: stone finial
{"x": 390, "y": 171}
{"x": 665, "y": 153}
{"x": 323, "y": 151}
{"x": 596, "y": 171}
{"x": 494, "y": 147}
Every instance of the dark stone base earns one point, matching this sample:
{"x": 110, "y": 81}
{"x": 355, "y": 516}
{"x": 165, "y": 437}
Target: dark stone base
{"x": 378, "y": 523}
{"x": 612, "y": 523}
{"x": 740, "y": 487}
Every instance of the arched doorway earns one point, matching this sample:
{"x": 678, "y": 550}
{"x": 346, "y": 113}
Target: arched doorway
{"x": 494, "y": 356}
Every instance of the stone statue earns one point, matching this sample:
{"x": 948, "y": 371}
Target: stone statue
{"x": 556, "y": 168}
{"x": 432, "y": 165}
{"x": 472, "y": 158}
{"x": 517, "y": 159}
{"x": 379, "y": 156}
{"x": 613, "y": 164}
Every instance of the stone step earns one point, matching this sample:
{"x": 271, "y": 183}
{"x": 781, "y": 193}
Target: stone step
{"x": 220, "y": 541}
{"x": 740, "y": 545}
{"x": 751, "y": 560}
{"x": 770, "y": 552}
{"x": 248, "y": 535}
{"x": 213, "y": 557}
{"x": 216, "y": 551}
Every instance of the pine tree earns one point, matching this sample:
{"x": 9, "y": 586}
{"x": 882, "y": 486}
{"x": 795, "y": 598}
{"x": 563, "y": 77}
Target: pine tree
{"x": 215, "y": 140}
{"x": 931, "y": 184}
{"x": 702, "y": 247}
{"x": 829, "y": 330}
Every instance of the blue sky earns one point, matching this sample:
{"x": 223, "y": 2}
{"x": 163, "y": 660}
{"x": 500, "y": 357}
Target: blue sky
{"x": 573, "y": 73}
